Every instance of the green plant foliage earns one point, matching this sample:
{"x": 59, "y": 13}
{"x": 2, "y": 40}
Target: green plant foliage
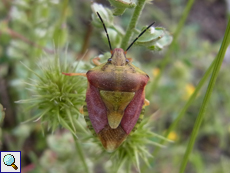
{"x": 114, "y": 36}
{"x": 135, "y": 147}
{"x": 105, "y": 13}
{"x": 2, "y": 115}
{"x": 121, "y": 5}
{"x": 40, "y": 110}
{"x": 216, "y": 69}
{"x": 155, "y": 38}
{"x": 58, "y": 97}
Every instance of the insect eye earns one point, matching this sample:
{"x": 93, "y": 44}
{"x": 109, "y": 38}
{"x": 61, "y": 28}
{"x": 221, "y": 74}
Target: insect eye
{"x": 110, "y": 59}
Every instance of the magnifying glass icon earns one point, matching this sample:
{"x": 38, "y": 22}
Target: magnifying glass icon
{"x": 9, "y": 160}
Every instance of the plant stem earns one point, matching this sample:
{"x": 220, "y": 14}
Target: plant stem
{"x": 16, "y": 35}
{"x": 82, "y": 157}
{"x": 184, "y": 109}
{"x": 133, "y": 22}
{"x": 186, "y": 106}
{"x": 165, "y": 60}
{"x": 219, "y": 60}
{"x": 65, "y": 5}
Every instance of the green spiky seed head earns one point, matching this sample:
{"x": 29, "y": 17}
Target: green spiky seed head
{"x": 56, "y": 97}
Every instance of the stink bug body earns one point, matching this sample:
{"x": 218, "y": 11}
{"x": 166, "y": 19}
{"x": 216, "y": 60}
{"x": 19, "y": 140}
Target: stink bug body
{"x": 115, "y": 97}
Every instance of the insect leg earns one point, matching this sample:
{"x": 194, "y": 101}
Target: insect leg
{"x": 130, "y": 59}
{"x": 84, "y": 110}
{"x": 74, "y": 74}
{"x": 146, "y": 102}
{"x": 139, "y": 119}
{"x": 81, "y": 110}
{"x": 96, "y": 61}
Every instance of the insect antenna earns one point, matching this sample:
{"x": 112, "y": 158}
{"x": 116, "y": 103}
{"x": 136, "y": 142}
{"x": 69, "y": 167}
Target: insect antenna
{"x": 111, "y": 50}
{"x": 139, "y": 36}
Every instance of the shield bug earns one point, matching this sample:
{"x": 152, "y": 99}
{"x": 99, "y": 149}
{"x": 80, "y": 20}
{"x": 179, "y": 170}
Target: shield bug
{"x": 115, "y": 96}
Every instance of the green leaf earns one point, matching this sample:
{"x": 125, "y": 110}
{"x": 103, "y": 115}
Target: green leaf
{"x": 60, "y": 36}
{"x": 218, "y": 62}
{"x": 115, "y": 38}
{"x": 121, "y": 6}
{"x": 122, "y": 3}
{"x": 2, "y": 114}
{"x": 105, "y": 13}
{"x": 155, "y": 38}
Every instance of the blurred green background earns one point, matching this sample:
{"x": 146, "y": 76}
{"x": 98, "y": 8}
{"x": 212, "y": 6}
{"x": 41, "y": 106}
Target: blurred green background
{"x": 33, "y": 30}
